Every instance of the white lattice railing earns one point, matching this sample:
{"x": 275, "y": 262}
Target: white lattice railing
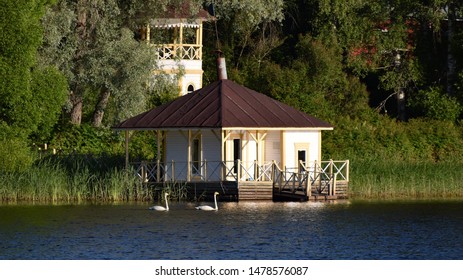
{"x": 238, "y": 170}
{"x": 173, "y": 51}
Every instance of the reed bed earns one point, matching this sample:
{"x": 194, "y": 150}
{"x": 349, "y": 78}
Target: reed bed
{"x": 395, "y": 180}
{"x": 77, "y": 181}
{"x": 55, "y": 183}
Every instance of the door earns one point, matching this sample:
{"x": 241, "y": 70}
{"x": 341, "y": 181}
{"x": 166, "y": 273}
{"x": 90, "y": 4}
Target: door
{"x": 196, "y": 156}
{"x": 301, "y": 156}
{"x": 236, "y": 153}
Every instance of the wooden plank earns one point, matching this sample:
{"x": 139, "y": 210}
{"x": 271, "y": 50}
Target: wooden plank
{"x": 254, "y": 190}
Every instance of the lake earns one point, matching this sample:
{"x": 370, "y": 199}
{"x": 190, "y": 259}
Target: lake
{"x": 239, "y": 230}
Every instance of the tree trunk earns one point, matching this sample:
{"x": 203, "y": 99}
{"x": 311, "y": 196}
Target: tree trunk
{"x": 76, "y": 111}
{"x": 451, "y": 62}
{"x": 401, "y": 113}
{"x": 76, "y": 96}
{"x": 101, "y": 107}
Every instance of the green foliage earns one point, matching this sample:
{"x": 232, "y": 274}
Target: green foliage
{"x": 50, "y": 92}
{"x": 250, "y": 29}
{"x": 30, "y": 96}
{"x": 85, "y": 139}
{"x": 143, "y": 146}
{"x": 21, "y": 36}
{"x": 15, "y": 154}
{"x": 315, "y": 83}
{"x": 90, "y": 42}
{"x": 433, "y": 103}
{"x": 162, "y": 90}
{"x": 388, "y": 140}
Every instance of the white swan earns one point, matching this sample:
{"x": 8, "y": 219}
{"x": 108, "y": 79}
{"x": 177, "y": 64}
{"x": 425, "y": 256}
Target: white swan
{"x": 207, "y": 207}
{"x": 161, "y": 208}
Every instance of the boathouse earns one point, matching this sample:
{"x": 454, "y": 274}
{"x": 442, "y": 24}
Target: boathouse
{"x": 226, "y": 137}
{"x": 242, "y": 142}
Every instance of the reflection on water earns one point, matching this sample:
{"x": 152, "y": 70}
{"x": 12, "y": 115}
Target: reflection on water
{"x": 244, "y": 230}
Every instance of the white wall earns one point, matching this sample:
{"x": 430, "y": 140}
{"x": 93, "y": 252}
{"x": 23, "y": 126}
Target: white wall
{"x": 273, "y": 146}
{"x": 299, "y": 137}
{"x": 177, "y": 150}
{"x": 212, "y": 153}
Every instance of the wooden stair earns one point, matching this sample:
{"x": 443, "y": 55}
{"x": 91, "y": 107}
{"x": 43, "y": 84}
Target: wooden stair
{"x": 253, "y": 190}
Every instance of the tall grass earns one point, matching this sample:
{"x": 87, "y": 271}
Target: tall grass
{"x": 76, "y": 181}
{"x": 51, "y": 182}
{"x": 391, "y": 179}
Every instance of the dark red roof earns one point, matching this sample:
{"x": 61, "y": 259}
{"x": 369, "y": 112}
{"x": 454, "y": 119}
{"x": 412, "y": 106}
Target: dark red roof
{"x": 223, "y": 104}
{"x": 183, "y": 10}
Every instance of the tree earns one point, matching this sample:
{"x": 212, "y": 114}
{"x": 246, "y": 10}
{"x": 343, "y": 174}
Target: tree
{"x": 93, "y": 43}
{"x": 246, "y": 28}
{"x": 31, "y": 94}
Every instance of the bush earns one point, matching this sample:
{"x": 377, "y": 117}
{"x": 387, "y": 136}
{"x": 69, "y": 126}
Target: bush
{"x": 434, "y": 104}
{"x": 15, "y": 155}
{"x": 85, "y": 139}
{"x": 385, "y": 139}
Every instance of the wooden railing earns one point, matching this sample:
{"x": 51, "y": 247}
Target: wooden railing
{"x": 205, "y": 171}
{"x": 320, "y": 174}
{"x": 289, "y": 181}
{"x": 173, "y": 51}
{"x": 319, "y": 177}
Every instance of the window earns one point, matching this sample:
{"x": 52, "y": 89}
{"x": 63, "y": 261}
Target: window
{"x": 190, "y": 88}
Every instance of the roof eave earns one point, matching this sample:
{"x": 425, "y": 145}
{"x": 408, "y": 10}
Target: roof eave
{"x": 227, "y": 128}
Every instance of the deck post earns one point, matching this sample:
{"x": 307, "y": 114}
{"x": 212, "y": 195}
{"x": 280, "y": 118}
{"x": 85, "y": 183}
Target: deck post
{"x": 272, "y": 177}
{"x": 256, "y": 175}
{"x": 126, "y": 150}
{"x": 347, "y": 171}
{"x": 334, "y": 186}
{"x": 331, "y": 189}
{"x": 205, "y": 170}
{"x": 238, "y": 170}
{"x": 158, "y": 170}
{"x": 308, "y": 190}
{"x": 144, "y": 170}
{"x": 173, "y": 171}
{"x": 294, "y": 183}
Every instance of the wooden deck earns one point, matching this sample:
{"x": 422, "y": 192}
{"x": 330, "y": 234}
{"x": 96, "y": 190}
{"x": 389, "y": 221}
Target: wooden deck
{"x": 320, "y": 181}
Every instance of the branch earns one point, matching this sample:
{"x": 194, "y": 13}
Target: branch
{"x": 382, "y": 105}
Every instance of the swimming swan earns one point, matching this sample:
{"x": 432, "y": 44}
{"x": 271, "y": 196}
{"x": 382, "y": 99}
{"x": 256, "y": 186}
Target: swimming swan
{"x": 161, "y": 208}
{"x": 207, "y": 207}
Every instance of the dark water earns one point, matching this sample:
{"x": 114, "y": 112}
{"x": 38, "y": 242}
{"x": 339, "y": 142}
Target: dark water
{"x": 245, "y": 230}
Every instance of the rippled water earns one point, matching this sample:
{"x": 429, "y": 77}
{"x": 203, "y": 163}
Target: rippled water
{"x": 244, "y": 230}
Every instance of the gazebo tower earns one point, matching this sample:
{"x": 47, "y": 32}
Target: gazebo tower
{"x": 177, "y": 38}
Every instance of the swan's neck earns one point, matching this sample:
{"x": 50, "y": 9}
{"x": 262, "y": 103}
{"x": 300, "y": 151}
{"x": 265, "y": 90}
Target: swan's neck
{"x": 167, "y": 204}
{"x": 215, "y": 201}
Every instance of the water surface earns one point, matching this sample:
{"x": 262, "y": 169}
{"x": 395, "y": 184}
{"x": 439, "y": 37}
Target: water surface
{"x": 243, "y": 230}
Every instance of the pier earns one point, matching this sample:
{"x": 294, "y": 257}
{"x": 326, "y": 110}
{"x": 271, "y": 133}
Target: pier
{"x": 325, "y": 180}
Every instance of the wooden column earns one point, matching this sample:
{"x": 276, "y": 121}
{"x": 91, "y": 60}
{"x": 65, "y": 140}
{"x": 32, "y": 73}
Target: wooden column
{"x": 126, "y": 149}
{"x": 158, "y": 156}
{"x": 188, "y": 169}
{"x": 283, "y": 149}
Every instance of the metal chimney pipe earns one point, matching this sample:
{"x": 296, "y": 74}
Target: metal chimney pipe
{"x": 221, "y": 67}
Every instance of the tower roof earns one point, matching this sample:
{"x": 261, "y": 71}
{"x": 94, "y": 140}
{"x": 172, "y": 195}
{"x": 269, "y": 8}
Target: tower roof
{"x": 181, "y": 14}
